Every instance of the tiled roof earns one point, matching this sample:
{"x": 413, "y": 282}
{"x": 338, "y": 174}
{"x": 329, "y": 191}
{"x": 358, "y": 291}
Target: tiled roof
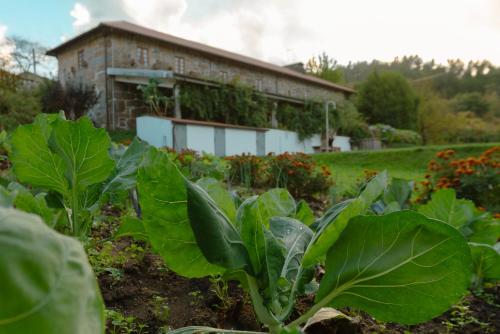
{"x": 203, "y": 48}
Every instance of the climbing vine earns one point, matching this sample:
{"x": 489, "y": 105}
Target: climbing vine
{"x": 240, "y": 104}
{"x": 306, "y": 120}
{"x": 231, "y": 104}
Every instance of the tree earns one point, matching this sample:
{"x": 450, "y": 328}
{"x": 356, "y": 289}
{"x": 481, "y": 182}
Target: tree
{"x": 325, "y": 68}
{"x": 388, "y": 98}
{"x": 29, "y": 56}
{"x": 474, "y": 102}
{"x": 436, "y": 122}
{"x": 76, "y": 99}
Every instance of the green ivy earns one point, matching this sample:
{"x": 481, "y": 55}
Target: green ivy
{"x": 231, "y": 104}
{"x": 240, "y": 104}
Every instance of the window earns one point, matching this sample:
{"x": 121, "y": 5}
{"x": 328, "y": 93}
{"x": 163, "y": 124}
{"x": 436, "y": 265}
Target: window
{"x": 259, "y": 85}
{"x": 179, "y": 65}
{"x": 142, "y": 56}
{"x": 223, "y": 76}
{"x": 81, "y": 59}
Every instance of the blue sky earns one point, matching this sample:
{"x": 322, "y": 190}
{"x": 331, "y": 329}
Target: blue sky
{"x": 282, "y": 31}
{"x": 45, "y": 21}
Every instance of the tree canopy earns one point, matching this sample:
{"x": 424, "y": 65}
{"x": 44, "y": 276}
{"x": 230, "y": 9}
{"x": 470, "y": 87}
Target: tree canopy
{"x": 388, "y": 98}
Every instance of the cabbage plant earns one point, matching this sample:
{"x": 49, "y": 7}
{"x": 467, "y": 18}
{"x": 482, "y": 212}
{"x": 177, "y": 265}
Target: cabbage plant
{"x": 69, "y": 159}
{"x": 48, "y": 286}
{"x": 74, "y": 163}
{"x": 480, "y": 229}
{"x": 400, "y": 267}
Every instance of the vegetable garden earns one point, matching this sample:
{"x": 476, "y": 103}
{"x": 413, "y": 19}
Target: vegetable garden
{"x": 98, "y": 237}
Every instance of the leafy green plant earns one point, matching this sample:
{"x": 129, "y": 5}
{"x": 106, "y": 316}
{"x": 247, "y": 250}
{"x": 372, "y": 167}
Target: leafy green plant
{"x": 475, "y": 177}
{"x": 393, "y": 137}
{"x": 18, "y": 106}
{"x": 461, "y": 316}
{"x": 220, "y": 287}
{"x": 247, "y": 170}
{"x": 23, "y": 199}
{"x": 157, "y": 102}
{"x": 161, "y": 310}
{"x": 299, "y": 174}
{"x": 412, "y": 266}
{"x": 195, "y": 165}
{"x": 67, "y": 158}
{"x": 480, "y": 228}
{"x": 296, "y": 172}
{"x": 48, "y": 286}
{"x": 121, "y": 324}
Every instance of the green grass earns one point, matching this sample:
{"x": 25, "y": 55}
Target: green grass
{"x": 407, "y": 163}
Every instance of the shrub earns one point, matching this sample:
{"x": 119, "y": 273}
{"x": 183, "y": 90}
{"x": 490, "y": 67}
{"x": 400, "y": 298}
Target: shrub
{"x": 388, "y": 98}
{"x": 474, "y": 178}
{"x": 195, "y": 165}
{"x": 350, "y": 122}
{"x": 17, "y": 105}
{"x": 157, "y": 102}
{"x": 393, "y": 137}
{"x": 248, "y": 170}
{"x": 76, "y": 99}
{"x": 297, "y": 172}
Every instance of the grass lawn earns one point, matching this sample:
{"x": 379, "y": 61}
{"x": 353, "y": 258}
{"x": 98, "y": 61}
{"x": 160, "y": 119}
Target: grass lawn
{"x": 408, "y": 163}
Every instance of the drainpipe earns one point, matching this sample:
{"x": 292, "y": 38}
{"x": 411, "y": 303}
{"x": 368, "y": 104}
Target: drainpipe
{"x": 177, "y": 101}
{"x": 106, "y": 79}
{"x": 274, "y": 120}
{"x": 327, "y": 124}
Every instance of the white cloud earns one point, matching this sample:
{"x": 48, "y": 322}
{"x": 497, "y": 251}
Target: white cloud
{"x": 284, "y": 31}
{"x": 81, "y": 15}
{"x": 6, "y": 47}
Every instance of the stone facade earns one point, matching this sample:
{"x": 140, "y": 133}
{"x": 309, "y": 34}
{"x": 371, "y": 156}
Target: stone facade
{"x": 91, "y": 71}
{"x": 118, "y": 49}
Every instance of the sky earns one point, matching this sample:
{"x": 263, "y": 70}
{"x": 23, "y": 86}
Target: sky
{"x": 281, "y": 31}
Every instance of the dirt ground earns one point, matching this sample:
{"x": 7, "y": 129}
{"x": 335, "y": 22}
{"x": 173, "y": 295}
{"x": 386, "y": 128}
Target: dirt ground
{"x": 162, "y": 300}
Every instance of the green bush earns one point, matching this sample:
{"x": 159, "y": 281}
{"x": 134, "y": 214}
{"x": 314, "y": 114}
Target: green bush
{"x": 196, "y": 165}
{"x": 394, "y": 137}
{"x": 297, "y": 172}
{"x": 475, "y": 178}
{"x": 17, "y": 107}
{"x": 388, "y": 98}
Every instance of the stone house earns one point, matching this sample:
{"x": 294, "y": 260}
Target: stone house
{"x": 118, "y": 56}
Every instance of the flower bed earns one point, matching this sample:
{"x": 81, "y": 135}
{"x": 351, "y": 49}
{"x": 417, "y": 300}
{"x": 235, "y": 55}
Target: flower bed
{"x": 475, "y": 178}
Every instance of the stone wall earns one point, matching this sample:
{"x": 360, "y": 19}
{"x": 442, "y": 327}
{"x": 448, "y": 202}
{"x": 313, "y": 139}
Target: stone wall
{"x": 124, "y": 100}
{"x": 162, "y": 56}
{"x": 93, "y": 71}
{"x": 126, "y": 105}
